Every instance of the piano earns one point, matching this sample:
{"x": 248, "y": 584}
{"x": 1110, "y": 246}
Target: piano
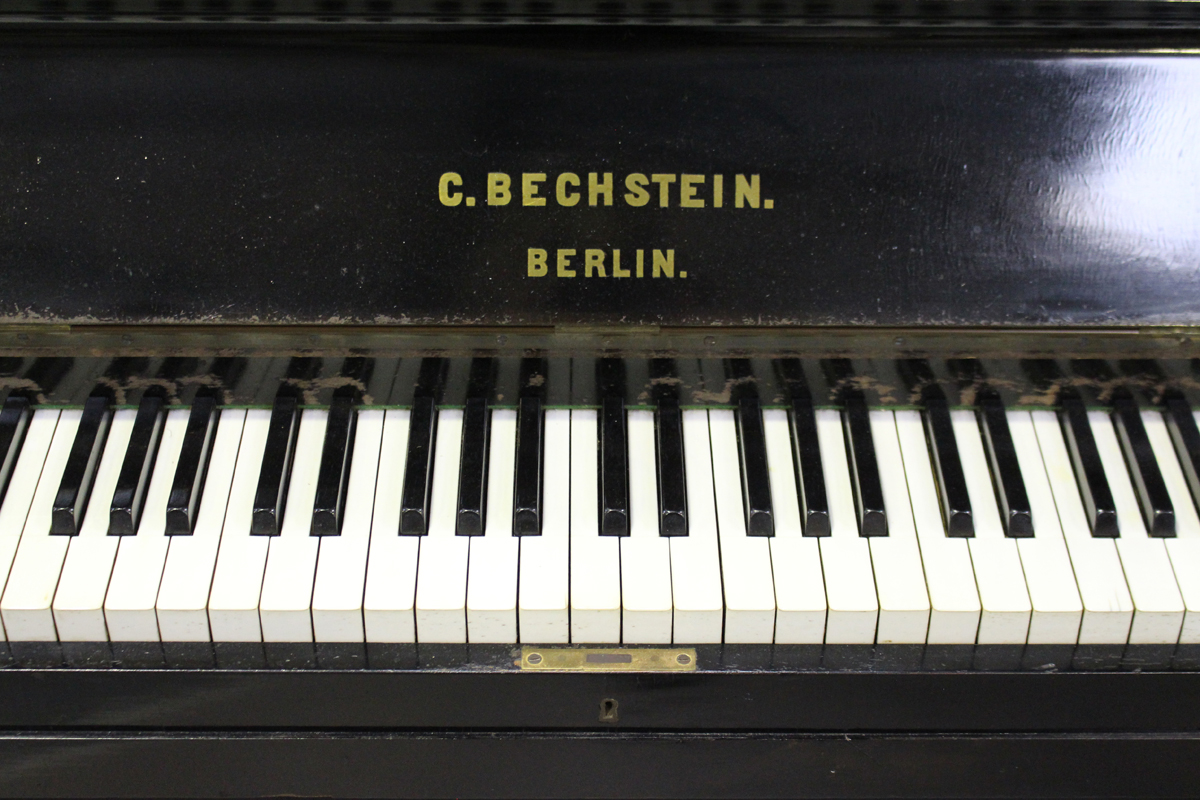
{"x": 543, "y": 400}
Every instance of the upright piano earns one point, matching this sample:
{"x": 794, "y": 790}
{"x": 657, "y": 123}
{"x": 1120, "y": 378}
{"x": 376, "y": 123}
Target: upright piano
{"x": 606, "y": 399}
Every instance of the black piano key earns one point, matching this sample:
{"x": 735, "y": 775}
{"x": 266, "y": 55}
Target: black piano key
{"x": 14, "y": 419}
{"x": 71, "y": 500}
{"x": 1089, "y": 471}
{"x": 947, "y": 466}
{"x": 1186, "y": 437}
{"x": 333, "y": 475}
{"x": 864, "y": 467}
{"x": 672, "y": 483}
{"x": 756, "y": 480}
{"x": 1006, "y": 470}
{"x": 271, "y": 495}
{"x": 125, "y": 512}
{"x": 527, "y": 490}
{"x": 814, "y": 504}
{"x": 414, "y": 499}
{"x": 1148, "y": 482}
{"x": 614, "y": 471}
{"x": 472, "y": 470}
{"x": 183, "y": 504}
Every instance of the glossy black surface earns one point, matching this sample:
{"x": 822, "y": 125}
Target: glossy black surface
{"x": 1186, "y": 437}
{"x": 672, "y": 479}
{"x": 1015, "y": 511}
{"x": 14, "y": 419}
{"x": 756, "y": 480}
{"x": 864, "y": 466}
{"x": 527, "y": 487}
{"x": 270, "y": 498}
{"x": 1089, "y": 470}
{"x": 1147, "y": 479}
{"x": 70, "y": 501}
{"x": 473, "y": 467}
{"x": 183, "y": 504}
{"x": 125, "y": 511}
{"x": 333, "y": 475}
{"x": 948, "y": 471}
{"x": 418, "y": 468}
{"x": 614, "y": 469}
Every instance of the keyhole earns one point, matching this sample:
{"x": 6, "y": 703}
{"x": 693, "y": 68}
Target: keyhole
{"x": 608, "y": 710}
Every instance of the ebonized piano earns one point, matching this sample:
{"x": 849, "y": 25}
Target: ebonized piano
{"x": 666, "y": 399}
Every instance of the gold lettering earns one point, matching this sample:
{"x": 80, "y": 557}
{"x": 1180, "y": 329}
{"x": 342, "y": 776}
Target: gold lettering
{"x": 687, "y": 191}
{"x": 537, "y": 263}
{"x": 641, "y": 261}
{"x": 593, "y": 260}
{"x": 447, "y": 197}
{"x": 637, "y": 195}
{"x": 498, "y": 193}
{"x": 597, "y": 188}
{"x": 529, "y": 188}
{"x": 664, "y": 182}
{"x": 718, "y": 191}
{"x": 744, "y": 191}
{"x": 617, "y": 271}
{"x": 664, "y": 263}
{"x": 566, "y": 198}
{"x": 564, "y": 261}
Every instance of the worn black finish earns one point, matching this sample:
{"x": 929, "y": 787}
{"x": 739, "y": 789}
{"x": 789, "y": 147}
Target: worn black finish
{"x": 14, "y": 419}
{"x": 70, "y": 502}
{"x": 1148, "y": 485}
{"x": 125, "y": 511}
{"x": 333, "y": 475}
{"x": 1015, "y": 510}
{"x": 270, "y": 498}
{"x": 183, "y": 504}
{"x": 1089, "y": 471}
{"x": 864, "y": 466}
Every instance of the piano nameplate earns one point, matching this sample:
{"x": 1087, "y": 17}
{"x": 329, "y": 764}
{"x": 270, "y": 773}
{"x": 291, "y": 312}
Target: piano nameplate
{"x": 624, "y": 659}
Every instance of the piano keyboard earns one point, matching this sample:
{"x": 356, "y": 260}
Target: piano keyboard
{"x": 638, "y": 525}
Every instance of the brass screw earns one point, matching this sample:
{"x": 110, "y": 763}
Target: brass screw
{"x": 683, "y": 658}
{"x": 534, "y": 658}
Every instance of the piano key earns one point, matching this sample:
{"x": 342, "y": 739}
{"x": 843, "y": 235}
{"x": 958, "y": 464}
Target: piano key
{"x": 473, "y": 467}
{"x": 645, "y": 555}
{"x": 1186, "y": 437}
{"x": 129, "y": 606}
{"x": 77, "y": 474}
{"x": 1158, "y": 606}
{"x": 285, "y": 607}
{"x": 845, "y": 555}
{"x": 442, "y": 568}
{"x": 184, "y": 502}
{"x": 270, "y": 499}
{"x": 1006, "y": 609}
{"x": 1089, "y": 473}
{"x": 595, "y": 559}
{"x": 864, "y": 467}
{"x": 391, "y": 586}
{"x": 242, "y": 556}
{"x": 544, "y": 590}
{"x": 795, "y": 558}
{"x": 1149, "y": 489}
{"x": 79, "y": 599}
{"x": 182, "y": 605}
{"x": 127, "y": 500}
{"x": 614, "y": 471}
{"x": 1184, "y": 548}
{"x": 697, "y": 595}
{"x": 756, "y": 483}
{"x": 815, "y": 504}
{"x": 915, "y": 604}
{"x": 527, "y": 490}
{"x": 1104, "y": 594}
{"x": 1011, "y": 494}
{"x": 494, "y": 556}
{"x": 951, "y": 484}
{"x": 418, "y": 466}
{"x": 14, "y": 421}
{"x": 672, "y": 482}
{"x": 26, "y": 604}
{"x": 337, "y": 601}
{"x": 24, "y": 483}
{"x": 745, "y": 560}
{"x": 333, "y": 474}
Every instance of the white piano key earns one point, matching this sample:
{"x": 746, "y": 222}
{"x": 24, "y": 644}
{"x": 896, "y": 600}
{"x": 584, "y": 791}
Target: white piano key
{"x": 795, "y": 558}
{"x": 595, "y": 559}
{"x": 337, "y": 601}
{"x": 695, "y": 559}
{"x": 494, "y": 557}
{"x": 745, "y": 560}
{"x": 285, "y": 607}
{"x": 544, "y": 590}
{"x": 845, "y": 556}
{"x": 442, "y": 566}
{"x": 1107, "y": 605}
{"x": 79, "y": 601}
{"x": 38, "y": 561}
{"x": 391, "y": 588}
{"x": 645, "y": 556}
{"x": 182, "y": 605}
{"x": 242, "y": 558}
{"x": 1003, "y": 596}
{"x": 1184, "y": 549}
{"x": 129, "y": 606}
{"x": 22, "y": 485}
{"x": 915, "y": 604}
{"x": 1158, "y": 606}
